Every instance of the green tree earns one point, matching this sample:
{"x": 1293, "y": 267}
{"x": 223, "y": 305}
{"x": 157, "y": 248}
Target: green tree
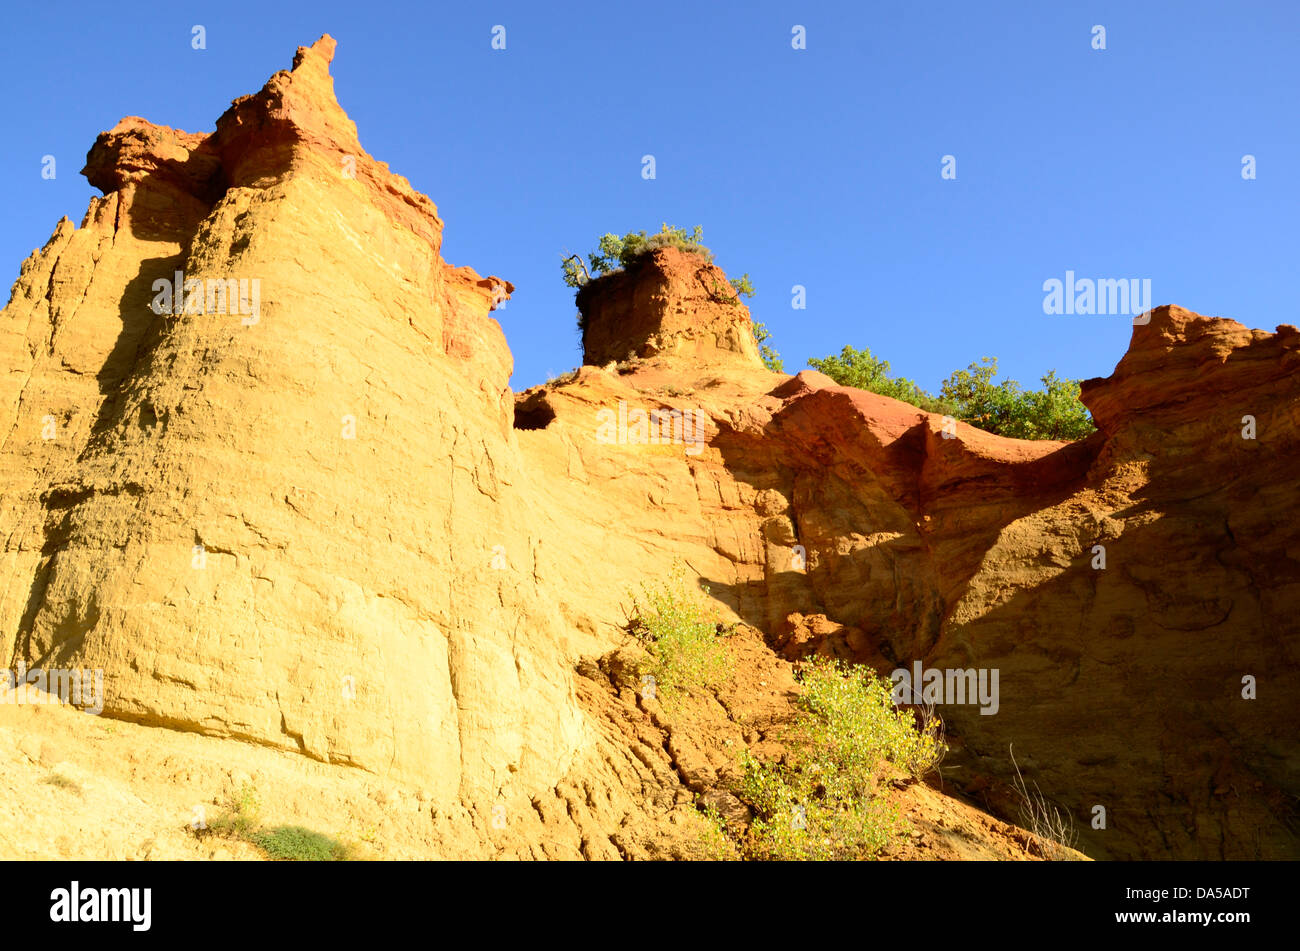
{"x": 978, "y": 400}
{"x": 1054, "y": 412}
{"x": 862, "y": 369}
{"x": 972, "y": 396}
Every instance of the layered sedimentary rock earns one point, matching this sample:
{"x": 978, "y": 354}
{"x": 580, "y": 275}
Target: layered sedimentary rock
{"x": 305, "y": 511}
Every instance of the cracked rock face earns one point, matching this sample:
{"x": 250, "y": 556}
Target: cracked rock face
{"x": 307, "y": 513}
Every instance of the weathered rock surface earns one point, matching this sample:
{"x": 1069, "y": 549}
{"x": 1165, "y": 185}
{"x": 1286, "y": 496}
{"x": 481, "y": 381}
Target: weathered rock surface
{"x": 328, "y": 528}
{"x": 278, "y": 526}
{"x": 667, "y": 303}
{"x": 852, "y": 526}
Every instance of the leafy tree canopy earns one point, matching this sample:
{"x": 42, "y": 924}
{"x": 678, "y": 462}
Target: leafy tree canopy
{"x": 970, "y": 395}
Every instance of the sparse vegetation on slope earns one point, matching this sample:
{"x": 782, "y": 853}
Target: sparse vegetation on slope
{"x": 1051, "y": 831}
{"x": 282, "y": 843}
{"x": 682, "y": 638}
{"x": 239, "y": 819}
{"x": 826, "y": 798}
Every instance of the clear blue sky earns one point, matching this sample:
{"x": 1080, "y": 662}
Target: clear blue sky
{"x": 818, "y": 167}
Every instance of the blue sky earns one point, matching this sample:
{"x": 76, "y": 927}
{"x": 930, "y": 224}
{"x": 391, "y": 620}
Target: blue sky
{"x": 818, "y": 167}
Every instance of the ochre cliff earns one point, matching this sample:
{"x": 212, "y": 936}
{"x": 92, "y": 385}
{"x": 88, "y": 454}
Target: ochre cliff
{"x": 278, "y": 526}
{"x": 329, "y": 527}
{"x": 851, "y": 523}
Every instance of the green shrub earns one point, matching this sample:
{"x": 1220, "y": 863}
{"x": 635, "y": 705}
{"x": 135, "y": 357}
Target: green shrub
{"x": 614, "y": 253}
{"x": 771, "y": 359}
{"x": 284, "y": 843}
{"x": 971, "y": 396}
{"x": 743, "y": 285}
{"x": 824, "y": 798}
{"x": 712, "y": 841}
{"x": 1053, "y": 412}
{"x": 681, "y": 637}
{"x": 862, "y": 369}
{"x": 240, "y": 817}
{"x": 296, "y": 844}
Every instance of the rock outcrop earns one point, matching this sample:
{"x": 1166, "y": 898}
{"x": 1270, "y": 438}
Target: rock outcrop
{"x": 1129, "y": 588}
{"x": 308, "y": 514}
{"x": 667, "y": 302}
{"x": 287, "y": 515}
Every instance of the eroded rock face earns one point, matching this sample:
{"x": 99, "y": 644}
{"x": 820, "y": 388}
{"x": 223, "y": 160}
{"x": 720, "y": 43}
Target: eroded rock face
{"x": 850, "y": 524}
{"x": 323, "y": 522}
{"x": 294, "y": 526}
{"x": 667, "y": 302}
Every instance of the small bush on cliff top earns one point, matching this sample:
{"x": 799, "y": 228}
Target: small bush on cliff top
{"x": 825, "y": 798}
{"x": 862, "y": 369}
{"x": 614, "y": 253}
{"x": 970, "y": 395}
{"x": 681, "y": 637}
